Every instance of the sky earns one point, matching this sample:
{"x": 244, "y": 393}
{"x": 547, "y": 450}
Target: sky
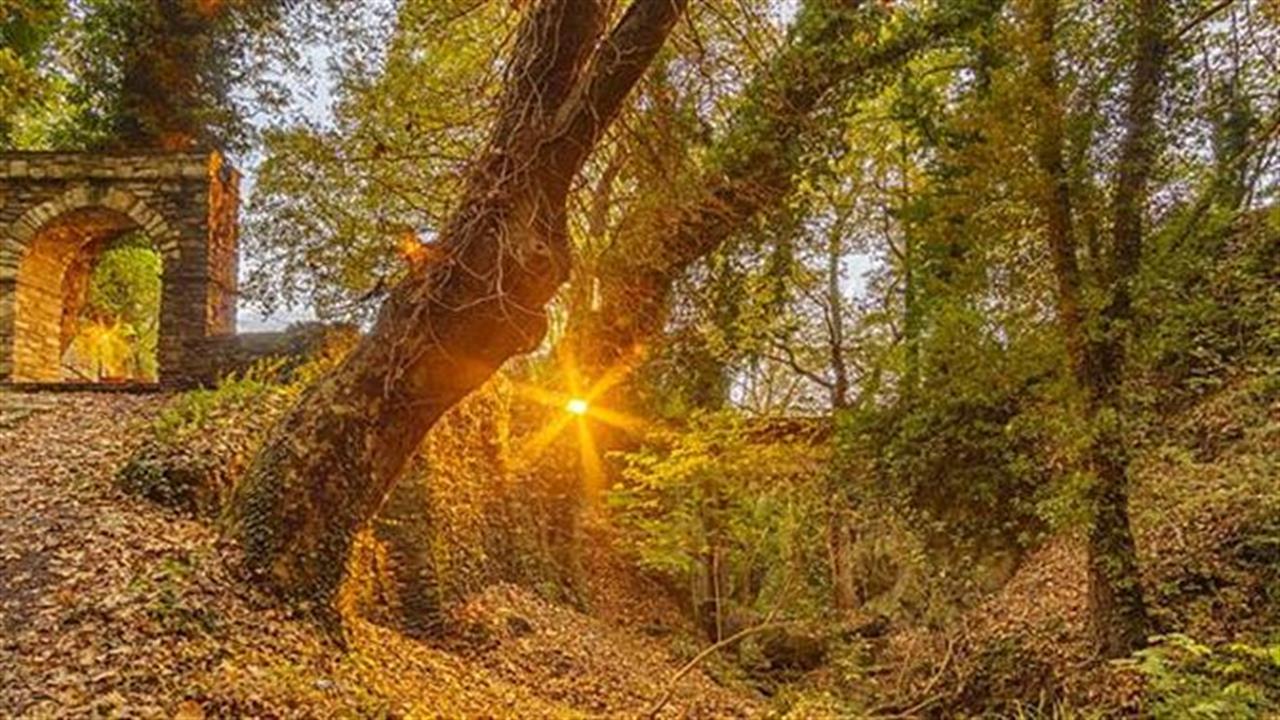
{"x": 312, "y": 85}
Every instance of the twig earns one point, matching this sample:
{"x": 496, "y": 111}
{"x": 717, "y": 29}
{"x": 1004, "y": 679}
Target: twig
{"x": 929, "y": 686}
{"x": 707, "y": 652}
{"x": 1203, "y": 17}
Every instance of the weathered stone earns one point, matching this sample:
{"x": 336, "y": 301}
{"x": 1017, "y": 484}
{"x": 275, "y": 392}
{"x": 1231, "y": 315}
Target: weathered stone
{"x": 52, "y": 204}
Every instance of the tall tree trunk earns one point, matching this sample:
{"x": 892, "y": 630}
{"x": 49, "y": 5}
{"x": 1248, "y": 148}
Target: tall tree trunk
{"x": 160, "y": 93}
{"x": 327, "y": 467}
{"x": 835, "y": 316}
{"x": 912, "y": 311}
{"x": 839, "y": 528}
{"x": 1055, "y": 199}
{"x": 1117, "y": 609}
{"x": 1115, "y": 589}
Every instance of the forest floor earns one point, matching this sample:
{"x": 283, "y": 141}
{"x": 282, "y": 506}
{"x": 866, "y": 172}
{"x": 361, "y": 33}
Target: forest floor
{"x": 1205, "y": 508}
{"x": 113, "y": 607}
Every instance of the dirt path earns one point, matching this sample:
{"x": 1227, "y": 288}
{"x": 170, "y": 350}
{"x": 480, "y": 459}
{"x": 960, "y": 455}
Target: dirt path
{"x": 61, "y": 536}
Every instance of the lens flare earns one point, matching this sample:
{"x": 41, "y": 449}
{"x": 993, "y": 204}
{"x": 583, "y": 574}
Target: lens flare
{"x": 577, "y": 406}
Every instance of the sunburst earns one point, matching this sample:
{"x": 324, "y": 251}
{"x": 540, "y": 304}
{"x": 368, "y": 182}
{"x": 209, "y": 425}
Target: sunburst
{"x": 580, "y": 407}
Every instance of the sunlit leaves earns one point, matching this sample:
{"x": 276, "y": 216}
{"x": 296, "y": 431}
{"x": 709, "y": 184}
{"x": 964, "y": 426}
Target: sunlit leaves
{"x": 332, "y": 203}
{"x": 118, "y": 327}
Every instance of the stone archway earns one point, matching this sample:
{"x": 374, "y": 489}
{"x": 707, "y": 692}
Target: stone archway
{"x": 54, "y": 259}
{"x": 57, "y": 210}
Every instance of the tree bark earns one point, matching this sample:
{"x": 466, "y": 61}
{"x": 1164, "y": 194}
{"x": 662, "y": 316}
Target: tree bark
{"x": 160, "y": 99}
{"x": 1056, "y": 194}
{"x": 403, "y": 526}
{"x": 326, "y": 468}
{"x": 1098, "y": 356}
{"x": 835, "y": 317}
{"x": 1115, "y": 589}
{"x": 912, "y": 293}
{"x": 840, "y": 540}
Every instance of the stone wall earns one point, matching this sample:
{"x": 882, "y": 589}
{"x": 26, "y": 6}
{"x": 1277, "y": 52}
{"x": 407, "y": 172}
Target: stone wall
{"x": 53, "y": 205}
{"x": 291, "y": 347}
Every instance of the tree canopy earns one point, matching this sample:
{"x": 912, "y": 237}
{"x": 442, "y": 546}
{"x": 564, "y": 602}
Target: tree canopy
{"x": 851, "y": 327}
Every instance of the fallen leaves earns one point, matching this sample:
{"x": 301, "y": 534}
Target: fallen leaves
{"x": 111, "y": 606}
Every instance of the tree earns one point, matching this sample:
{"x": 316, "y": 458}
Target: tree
{"x": 1096, "y": 337}
{"x": 26, "y": 29}
{"x": 326, "y": 468}
{"x": 836, "y": 53}
{"x": 337, "y": 210}
{"x": 165, "y": 74}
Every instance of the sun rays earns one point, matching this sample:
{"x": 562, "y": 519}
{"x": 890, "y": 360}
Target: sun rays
{"x": 577, "y": 406}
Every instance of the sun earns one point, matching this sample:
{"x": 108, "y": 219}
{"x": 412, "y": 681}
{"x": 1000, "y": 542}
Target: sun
{"x": 581, "y": 408}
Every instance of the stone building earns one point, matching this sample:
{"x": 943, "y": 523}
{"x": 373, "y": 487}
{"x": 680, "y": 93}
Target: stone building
{"x": 59, "y": 210}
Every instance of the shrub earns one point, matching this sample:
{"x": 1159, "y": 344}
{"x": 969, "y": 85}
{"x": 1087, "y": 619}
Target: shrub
{"x": 203, "y": 439}
{"x": 726, "y": 514}
{"x": 1189, "y": 679}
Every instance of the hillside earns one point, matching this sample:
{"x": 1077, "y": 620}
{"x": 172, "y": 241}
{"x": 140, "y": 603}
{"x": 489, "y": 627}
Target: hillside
{"x": 114, "y": 607}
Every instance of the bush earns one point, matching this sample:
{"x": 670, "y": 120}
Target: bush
{"x": 727, "y": 515}
{"x": 202, "y": 440}
{"x": 1207, "y": 305}
{"x": 1188, "y": 679}
{"x": 962, "y": 472}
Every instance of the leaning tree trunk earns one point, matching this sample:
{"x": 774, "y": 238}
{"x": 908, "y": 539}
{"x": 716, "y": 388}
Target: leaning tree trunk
{"x": 327, "y": 467}
{"x": 838, "y": 51}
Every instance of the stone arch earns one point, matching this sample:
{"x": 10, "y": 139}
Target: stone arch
{"x": 50, "y": 202}
{"x": 57, "y": 246}
{"x": 83, "y": 196}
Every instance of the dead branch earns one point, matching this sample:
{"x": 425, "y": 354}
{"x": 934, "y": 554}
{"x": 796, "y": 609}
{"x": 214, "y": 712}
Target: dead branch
{"x": 707, "y": 652}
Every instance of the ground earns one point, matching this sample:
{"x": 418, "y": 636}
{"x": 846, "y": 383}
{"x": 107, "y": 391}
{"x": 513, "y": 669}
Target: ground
{"x": 113, "y": 607}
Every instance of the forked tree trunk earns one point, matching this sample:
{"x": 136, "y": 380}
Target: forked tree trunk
{"x": 1117, "y": 609}
{"x": 325, "y": 470}
{"x": 1115, "y": 591}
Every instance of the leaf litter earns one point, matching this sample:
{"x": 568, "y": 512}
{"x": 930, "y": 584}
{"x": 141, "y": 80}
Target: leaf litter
{"x": 113, "y": 607}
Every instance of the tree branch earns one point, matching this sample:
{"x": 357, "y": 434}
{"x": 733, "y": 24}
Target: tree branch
{"x": 707, "y": 652}
{"x": 615, "y": 68}
{"x": 551, "y": 49}
{"x": 835, "y": 49}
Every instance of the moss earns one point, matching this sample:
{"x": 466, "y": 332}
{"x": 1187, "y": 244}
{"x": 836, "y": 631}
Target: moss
{"x": 191, "y": 484}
